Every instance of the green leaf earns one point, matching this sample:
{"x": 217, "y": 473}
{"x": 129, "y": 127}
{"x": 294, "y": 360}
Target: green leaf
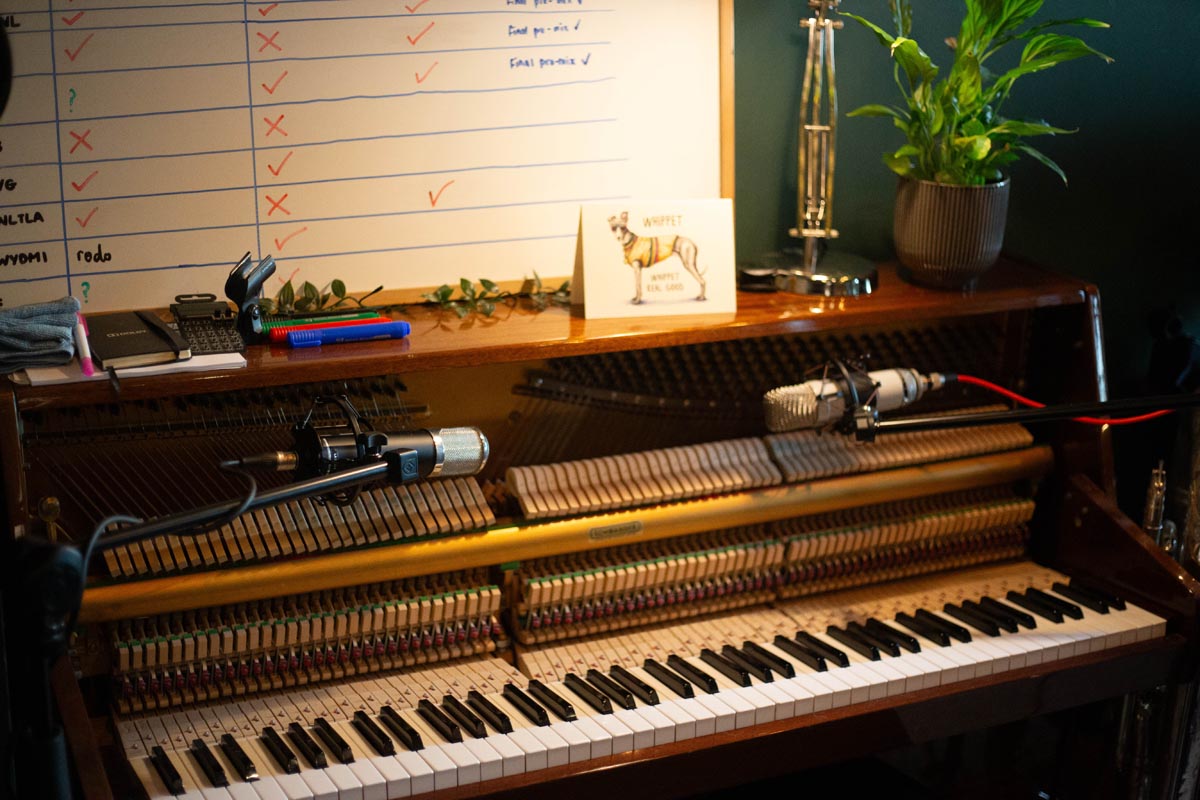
{"x": 338, "y": 288}
{"x": 884, "y": 37}
{"x": 974, "y": 147}
{"x": 1016, "y": 127}
{"x": 286, "y": 296}
{"x": 468, "y": 288}
{"x": 900, "y": 166}
{"x": 486, "y": 307}
{"x": 918, "y": 68}
{"x": 443, "y": 293}
{"x": 310, "y": 292}
{"x": 1042, "y": 158}
{"x": 490, "y": 286}
{"x": 461, "y": 310}
{"x": 876, "y": 110}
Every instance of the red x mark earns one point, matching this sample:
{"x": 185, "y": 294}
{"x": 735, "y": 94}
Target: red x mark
{"x": 80, "y": 140}
{"x": 277, "y": 204}
{"x": 275, "y": 125}
{"x": 269, "y": 41}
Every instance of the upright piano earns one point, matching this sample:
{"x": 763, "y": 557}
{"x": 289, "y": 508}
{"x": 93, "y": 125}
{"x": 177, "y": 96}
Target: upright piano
{"x": 643, "y": 592}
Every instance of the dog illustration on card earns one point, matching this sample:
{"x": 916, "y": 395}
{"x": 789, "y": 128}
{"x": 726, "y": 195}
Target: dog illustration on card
{"x": 642, "y": 252}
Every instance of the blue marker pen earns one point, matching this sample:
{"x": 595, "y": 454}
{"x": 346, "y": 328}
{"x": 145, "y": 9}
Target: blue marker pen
{"x": 315, "y": 337}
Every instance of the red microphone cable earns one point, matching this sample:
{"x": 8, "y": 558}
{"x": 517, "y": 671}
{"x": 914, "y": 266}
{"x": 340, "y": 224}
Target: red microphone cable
{"x": 971, "y": 379}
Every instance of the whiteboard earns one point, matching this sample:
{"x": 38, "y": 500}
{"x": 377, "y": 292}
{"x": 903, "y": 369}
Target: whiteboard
{"x": 148, "y": 144}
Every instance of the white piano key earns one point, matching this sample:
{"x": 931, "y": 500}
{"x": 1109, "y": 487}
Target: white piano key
{"x": 536, "y": 751}
{"x": 598, "y": 736}
{"x": 579, "y": 746}
{"x": 620, "y": 737}
{"x": 724, "y": 716}
{"x": 512, "y": 757}
{"x": 420, "y": 774}
{"x": 491, "y": 763}
{"x": 664, "y": 726}
{"x": 643, "y": 731}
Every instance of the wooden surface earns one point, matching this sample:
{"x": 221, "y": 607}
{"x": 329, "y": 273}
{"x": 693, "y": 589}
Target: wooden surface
{"x": 439, "y": 340}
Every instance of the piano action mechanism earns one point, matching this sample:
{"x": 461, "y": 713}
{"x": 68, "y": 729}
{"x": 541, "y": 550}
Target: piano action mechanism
{"x": 641, "y": 588}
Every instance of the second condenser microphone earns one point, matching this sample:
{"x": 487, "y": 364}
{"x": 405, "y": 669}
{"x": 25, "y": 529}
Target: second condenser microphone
{"x": 441, "y": 452}
{"x": 822, "y": 402}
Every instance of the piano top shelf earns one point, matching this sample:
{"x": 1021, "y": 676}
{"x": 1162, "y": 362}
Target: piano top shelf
{"x": 440, "y": 340}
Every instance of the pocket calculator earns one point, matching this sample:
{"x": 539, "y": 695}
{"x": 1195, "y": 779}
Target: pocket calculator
{"x": 209, "y": 325}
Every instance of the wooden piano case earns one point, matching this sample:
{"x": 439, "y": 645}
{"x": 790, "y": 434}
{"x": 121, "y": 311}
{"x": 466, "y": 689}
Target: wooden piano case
{"x": 547, "y": 387}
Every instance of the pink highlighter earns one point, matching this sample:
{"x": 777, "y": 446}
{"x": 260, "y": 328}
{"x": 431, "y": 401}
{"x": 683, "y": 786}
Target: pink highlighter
{"x": 81, "y": 346}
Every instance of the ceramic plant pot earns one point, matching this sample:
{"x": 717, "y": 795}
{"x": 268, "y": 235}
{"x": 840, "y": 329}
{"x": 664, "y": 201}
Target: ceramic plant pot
{"x": 947, "y": 236}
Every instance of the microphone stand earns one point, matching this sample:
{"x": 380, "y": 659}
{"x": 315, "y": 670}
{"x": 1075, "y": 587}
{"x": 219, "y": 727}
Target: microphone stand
{"x": 48, "y": 575}
{"x": 864, "y": 422}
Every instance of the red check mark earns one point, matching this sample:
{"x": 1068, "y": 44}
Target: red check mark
{"x": 74, "y": 19}
{"x": 433, "y": 198}
{"x": 412, "y": 9}
{"x": 83, "y": 222}
{"x": 424, "y": 31}
{"x": 83, "y": 44}
{"x": 271, "y": 89}
{"x": 79, "y": 187}
{"x": 421, "y": 78}
{"x": 268, "y": 9}
{"x": 276, "y": 170}
{"x": 279, "y": 243}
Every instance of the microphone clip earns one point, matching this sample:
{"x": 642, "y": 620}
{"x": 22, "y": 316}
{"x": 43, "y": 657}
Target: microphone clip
{"x": 327, "y": 448}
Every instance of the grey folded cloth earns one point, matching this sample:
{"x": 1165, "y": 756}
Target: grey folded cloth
{"x": 38, "y": 334}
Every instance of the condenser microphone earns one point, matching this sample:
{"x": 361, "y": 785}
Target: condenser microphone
{"x": 828, "y": 401}
{"x": 441, "y": 452}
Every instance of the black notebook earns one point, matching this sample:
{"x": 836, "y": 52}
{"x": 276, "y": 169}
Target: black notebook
{"x": 133, "y": 339}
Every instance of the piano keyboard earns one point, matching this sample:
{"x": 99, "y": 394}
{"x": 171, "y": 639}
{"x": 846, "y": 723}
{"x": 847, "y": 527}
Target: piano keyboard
{"x": 401, "y": 734}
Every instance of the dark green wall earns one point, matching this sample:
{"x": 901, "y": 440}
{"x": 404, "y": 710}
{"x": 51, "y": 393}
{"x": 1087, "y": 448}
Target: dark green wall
{"x": 1129, "y": 218}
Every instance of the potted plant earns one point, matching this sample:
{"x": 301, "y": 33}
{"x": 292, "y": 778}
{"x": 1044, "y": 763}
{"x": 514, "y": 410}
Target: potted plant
{"x": 952, "y": 200}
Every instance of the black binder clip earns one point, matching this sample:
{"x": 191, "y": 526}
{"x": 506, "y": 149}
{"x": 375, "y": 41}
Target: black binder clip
{"x": 244, "y": 288}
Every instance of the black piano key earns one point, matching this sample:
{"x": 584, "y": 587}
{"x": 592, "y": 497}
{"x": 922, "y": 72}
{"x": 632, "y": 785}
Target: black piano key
{"x": 375, "y": 736}
{"x": 615, "y": 691}
{"x": 464, "y": 716}
{"x": 1005, "y": 621}
{"x": 561, "y": 707}
{"x": 238, "y": 758}
{"x": 883, "y": 643}
{"x": 312, "y": 753}
{"x": 333, "y": 740}
{"x": 588, "y": 693}
{"x": 1023, "y": 619}
{"x": 488, "y": 710}
{"x": 1035, "y": 606}
{"x": 725, "y": 666}
{"x": 166, "y": 770}
{"x": 748, "y": 665}
{"x": 767, "y": 658}
{"x": 644, "y": 691}
{"x": 405, "y": 733}
{"x": 855, "y": 642}
{"x": 1068, "y": 609}
{"x": 447, "y": 728}
{"x": 886, "y": 631}
{"x": 672, "y": 680}
{"x": 801, "y": 653}
{"x": 976, "y": 621}
{"x": 525, "y": 704}
{"x": 693, "y": 673}
{"x": 922, "y": 627}
{"x": 1100, "y": 594}
{"x": 279, "y": 751}
{"x": 208, "y": 762}
{"x": 953, "y": 629}
{"x": 1083, "y": 598}
{"x": 827, "y": 651}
